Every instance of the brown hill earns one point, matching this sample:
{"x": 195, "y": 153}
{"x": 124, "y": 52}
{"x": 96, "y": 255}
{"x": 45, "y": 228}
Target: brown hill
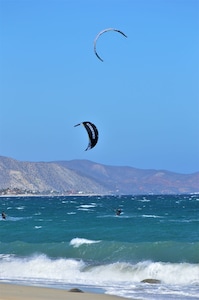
{"x": 82, "y": 176}
{"x": 43, "y": 177}
{"x": 128, "y": 180}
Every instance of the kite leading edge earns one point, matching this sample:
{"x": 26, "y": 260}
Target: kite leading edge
{"x": 100, "y": 33}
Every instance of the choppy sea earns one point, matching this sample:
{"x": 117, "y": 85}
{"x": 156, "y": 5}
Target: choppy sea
{"x": 79, "y": 241}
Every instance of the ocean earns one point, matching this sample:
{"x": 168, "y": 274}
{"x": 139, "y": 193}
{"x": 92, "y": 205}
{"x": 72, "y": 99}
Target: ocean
{"x": 79, "y": 242}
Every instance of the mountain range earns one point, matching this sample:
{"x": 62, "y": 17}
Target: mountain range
{"x": 87, "y": 177}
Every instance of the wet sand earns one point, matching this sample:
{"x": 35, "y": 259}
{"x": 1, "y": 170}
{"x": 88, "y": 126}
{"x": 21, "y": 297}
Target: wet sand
{"x": 20, "y": 292}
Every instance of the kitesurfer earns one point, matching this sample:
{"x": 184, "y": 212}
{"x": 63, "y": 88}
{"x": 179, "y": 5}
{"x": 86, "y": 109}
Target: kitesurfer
{"x": 118, "y": 212}
{"x": 3, "y": 215}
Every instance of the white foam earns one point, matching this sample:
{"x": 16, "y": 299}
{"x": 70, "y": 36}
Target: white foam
{"x": 151, "y": 216}
{"x": 39, "y": 267}
{"x": 84, "y": 209}
{"x": 86, "y": 206}
{"x": 20, "y": 207}
{"x": 42, "y": 267}
{"x": 76, "y": 242}
{"x": 144, "y": 200}
{"x": 14, "y": 219}
{"x": 117, "y": 278}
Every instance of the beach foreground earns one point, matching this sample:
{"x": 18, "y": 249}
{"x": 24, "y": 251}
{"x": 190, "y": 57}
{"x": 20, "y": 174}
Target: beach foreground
{"x": 19, "y": 292}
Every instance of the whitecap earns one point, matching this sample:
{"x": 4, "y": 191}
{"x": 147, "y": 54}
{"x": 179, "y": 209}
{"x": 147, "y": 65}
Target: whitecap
{"x": 87, "y": 206}
{"x": 144, "y": 200}
{"x": 20, "y": 207}
{"x": 151, "y": 216}
{"x": 76, "y": 242}
{"x": 14, "y": 219}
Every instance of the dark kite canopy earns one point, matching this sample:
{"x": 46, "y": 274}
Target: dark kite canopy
{"x": 92, "y": 133}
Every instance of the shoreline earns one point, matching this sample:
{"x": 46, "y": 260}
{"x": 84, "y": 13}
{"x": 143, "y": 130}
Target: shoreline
{"x": 56, "y": 195}
{"x": 9, "y": 291}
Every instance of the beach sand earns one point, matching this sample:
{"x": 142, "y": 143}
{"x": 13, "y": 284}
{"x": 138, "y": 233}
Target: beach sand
{"x": 19, "y": 292}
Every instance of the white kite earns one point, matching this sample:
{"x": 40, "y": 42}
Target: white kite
{"x": 100, "y": 33}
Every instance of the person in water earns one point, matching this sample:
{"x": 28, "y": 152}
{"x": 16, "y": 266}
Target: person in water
{"x": 3, "y": 215}
{"x": 118, "y": 211}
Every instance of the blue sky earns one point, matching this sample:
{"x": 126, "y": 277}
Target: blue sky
{"x": 144, "y": 97}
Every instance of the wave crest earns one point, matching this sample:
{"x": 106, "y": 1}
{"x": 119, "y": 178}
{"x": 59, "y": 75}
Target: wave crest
{"x": 77, "y": 242}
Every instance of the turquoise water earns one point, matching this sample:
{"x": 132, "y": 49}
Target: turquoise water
{"x": 79, "y": 241}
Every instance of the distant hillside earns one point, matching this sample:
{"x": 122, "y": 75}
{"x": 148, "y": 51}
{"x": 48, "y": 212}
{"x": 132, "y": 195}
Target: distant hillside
{"x": 128, "y": 180}
{"x": 43, "y": 177}
{"x": 86, "y": 177}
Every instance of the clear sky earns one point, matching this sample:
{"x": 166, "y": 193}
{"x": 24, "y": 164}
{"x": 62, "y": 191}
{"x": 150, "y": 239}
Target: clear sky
{"x": 144, "y": 97}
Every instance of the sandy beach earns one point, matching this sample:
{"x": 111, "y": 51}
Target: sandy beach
{"x": 19, "y": 292}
